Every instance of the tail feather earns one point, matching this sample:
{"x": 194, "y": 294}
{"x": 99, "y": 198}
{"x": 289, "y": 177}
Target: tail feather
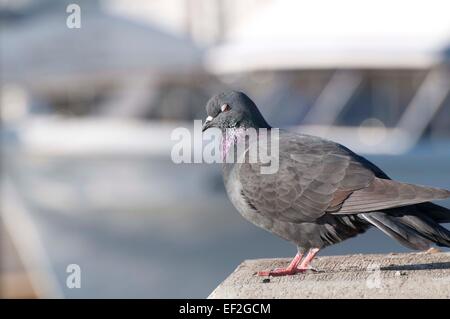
{"x": 437, "y": 213}
{"x": 411, "y": 226}
{"x": 427, "y": 228}
{"x": 403, "y": 234}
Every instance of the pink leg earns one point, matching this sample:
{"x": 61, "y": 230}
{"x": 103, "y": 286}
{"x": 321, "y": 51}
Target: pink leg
{"x": 305, "y": 264}
{"x": 289, "y": 270}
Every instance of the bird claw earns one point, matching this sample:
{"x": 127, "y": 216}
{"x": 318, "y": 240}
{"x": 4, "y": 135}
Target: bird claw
{"x": 278, "y": 272}
{"x": 304, "y": 269}
{"x": 292, "y": 269}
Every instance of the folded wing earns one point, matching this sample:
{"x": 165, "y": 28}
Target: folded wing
{"x": 317, "y": 177}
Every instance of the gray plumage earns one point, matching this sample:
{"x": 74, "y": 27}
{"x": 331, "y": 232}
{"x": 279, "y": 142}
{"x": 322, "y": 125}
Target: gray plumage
{"x": 323, "y": 193}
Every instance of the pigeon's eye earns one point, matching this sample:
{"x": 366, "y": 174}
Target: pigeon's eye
{"x": 225, "y": 108}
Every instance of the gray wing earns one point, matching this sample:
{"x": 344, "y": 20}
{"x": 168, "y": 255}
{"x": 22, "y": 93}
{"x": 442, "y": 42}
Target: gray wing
{"x": 384, "y": 194}
{"x": 316, "y": 177}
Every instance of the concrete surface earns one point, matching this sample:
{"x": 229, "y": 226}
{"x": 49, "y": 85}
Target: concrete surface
{"x": 411, "y": 275}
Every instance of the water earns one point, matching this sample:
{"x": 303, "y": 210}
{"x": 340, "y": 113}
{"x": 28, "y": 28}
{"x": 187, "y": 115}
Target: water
{"x": 147, "y": 228}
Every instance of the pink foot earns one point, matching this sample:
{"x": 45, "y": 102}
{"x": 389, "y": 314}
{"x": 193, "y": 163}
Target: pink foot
{"x": 289, "y": 270}
{"x": 304, "y": 269}
{"x": 305, "y": 265}
{"x": 292, "y": 269}
{"x": 279, "y": 272}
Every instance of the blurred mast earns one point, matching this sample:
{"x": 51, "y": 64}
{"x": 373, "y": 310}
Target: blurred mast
{"x": 26, "y": 238}
{"x": 426, "y": 102}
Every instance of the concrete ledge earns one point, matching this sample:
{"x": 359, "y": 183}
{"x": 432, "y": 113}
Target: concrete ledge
{"x": 412, "y": 275}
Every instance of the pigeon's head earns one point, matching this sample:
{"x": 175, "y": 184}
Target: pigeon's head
{"x": 233, "y": 110}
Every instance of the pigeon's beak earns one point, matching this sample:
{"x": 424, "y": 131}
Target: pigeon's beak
{"x": 208, "y": 123}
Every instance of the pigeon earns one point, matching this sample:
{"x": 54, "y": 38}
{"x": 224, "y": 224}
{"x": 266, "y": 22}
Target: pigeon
{"x": 322, "y": 193}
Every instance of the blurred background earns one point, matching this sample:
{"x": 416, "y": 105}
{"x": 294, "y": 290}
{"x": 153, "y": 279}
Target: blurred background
{"x": 87, "y": 114}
